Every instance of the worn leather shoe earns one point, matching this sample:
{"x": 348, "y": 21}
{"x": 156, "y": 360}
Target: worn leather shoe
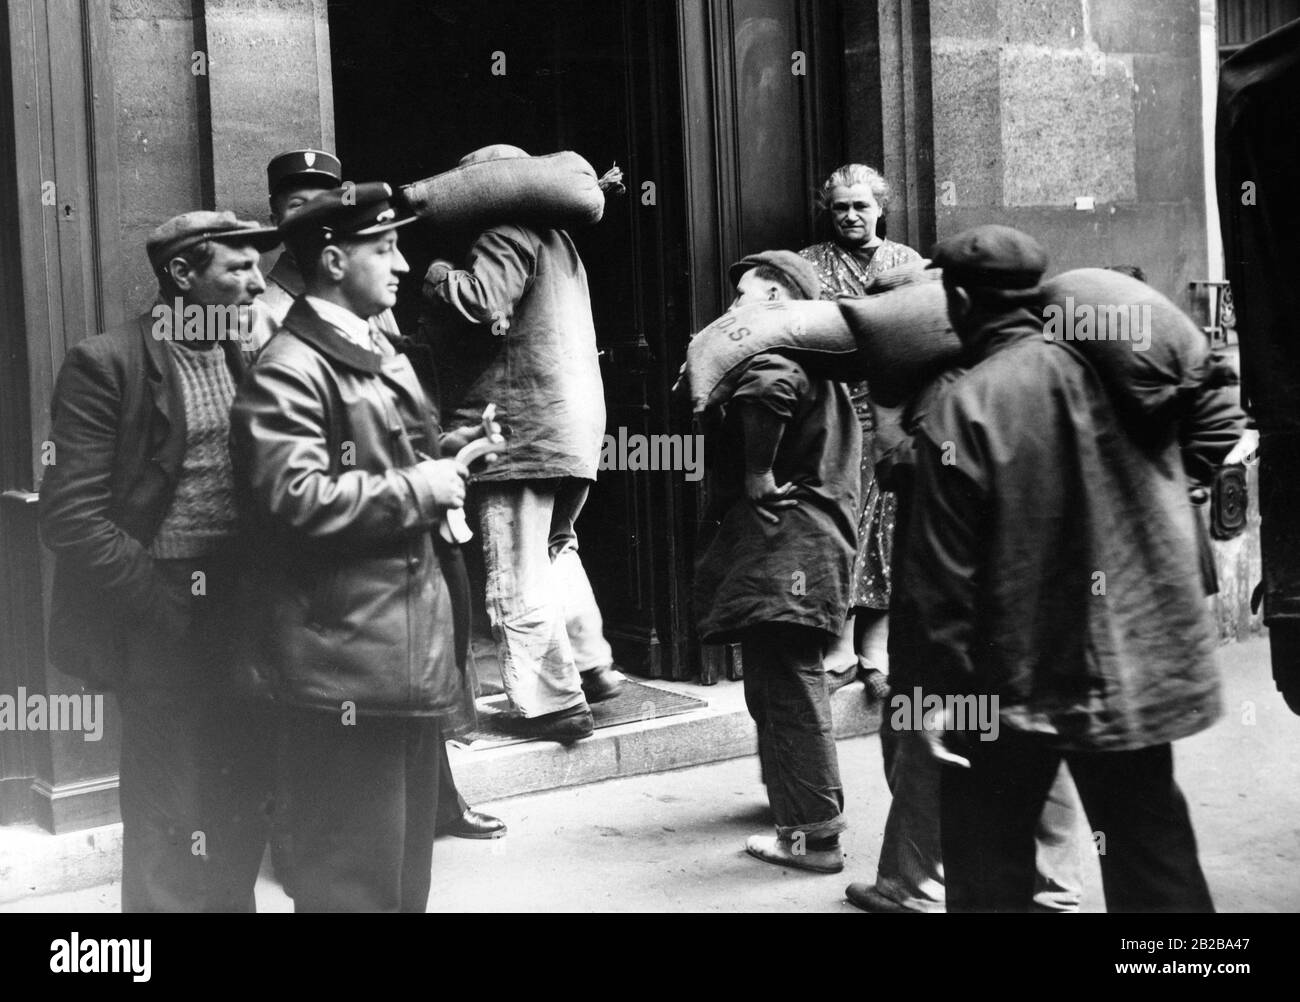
{"x": 866, "y": 897}
{"x": 564, "y": 726}
{"x": 600, "y": 684}
{"x": 475, "y": 824}
{"x": 773, "y": 849}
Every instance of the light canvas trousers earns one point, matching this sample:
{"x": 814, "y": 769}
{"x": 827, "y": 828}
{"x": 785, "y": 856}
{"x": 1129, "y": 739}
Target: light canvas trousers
{"x": 544, "y": 617}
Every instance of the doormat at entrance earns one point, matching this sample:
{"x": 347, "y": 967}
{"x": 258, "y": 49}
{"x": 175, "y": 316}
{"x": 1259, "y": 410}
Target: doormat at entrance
{"x": 634, "y": 701}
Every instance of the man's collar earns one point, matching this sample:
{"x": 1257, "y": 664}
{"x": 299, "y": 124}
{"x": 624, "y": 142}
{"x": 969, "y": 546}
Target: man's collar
{"x": 993, "y": 331}
{"x": 304, "y": 322}
{"x": 353, "y": 327}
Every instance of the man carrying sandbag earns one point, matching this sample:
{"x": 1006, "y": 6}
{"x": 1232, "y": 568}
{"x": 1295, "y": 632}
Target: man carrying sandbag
{"x": 1050, "y": 570}
{"x": 912, "y": 355}
{"x": 777, "y": 573}
{"x": 525, "y": 288}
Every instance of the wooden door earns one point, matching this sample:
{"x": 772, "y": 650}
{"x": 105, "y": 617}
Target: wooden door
{"x": 59, "y": 283}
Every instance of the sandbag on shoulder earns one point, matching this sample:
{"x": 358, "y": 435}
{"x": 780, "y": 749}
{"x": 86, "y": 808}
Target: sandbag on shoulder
{"x": 1147, "y": 352}
{"x": 904, "y": 335}
{"x": 904, "y": 274}
{"x": 557, "y": 191}
{"x": 812, "y": 332}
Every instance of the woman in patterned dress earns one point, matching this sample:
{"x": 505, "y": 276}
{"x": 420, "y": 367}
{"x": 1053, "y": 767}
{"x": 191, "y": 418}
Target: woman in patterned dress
{"x": 855, "y": 197}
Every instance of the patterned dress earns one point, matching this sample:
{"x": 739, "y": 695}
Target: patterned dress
{"x": 844, "y": 273}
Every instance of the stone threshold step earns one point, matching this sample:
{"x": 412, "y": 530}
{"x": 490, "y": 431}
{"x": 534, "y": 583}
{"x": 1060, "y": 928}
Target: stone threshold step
{"x": 722, "y": 730}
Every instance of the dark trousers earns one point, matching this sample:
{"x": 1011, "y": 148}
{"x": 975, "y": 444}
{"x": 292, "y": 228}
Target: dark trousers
{"x": 451, "y": 805}
{"x": 363, "y": 806}
{"x": 195, "y": 778}
{"x": 1141, "y": 827}
{"x": 786, "y": 692}
{"x": 196, "y": 769}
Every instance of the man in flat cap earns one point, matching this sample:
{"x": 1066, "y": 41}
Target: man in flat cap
{"x": 139, "y": 511}
{"x": 1036, "y": 524}
{"x": 357, "y": 618}
{"x": 293, "y": 178}
{"x": 532, "y": 352}
{"x": 777, "y": 572}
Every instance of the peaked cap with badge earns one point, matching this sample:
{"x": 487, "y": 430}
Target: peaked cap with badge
{"x": 304, "y": 167}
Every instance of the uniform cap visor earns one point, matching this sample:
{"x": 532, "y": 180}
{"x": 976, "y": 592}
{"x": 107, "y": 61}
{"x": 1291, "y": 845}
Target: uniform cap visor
{"x": 392, "y": 224}
{"x": 312, "y": 176}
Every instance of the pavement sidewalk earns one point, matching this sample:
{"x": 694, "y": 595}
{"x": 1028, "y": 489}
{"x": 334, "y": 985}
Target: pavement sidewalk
{"x": 672, "y": 841}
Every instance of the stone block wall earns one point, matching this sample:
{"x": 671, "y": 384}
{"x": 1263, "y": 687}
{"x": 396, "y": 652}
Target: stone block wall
{"x": 207, "y": 91}
{"x": 1037, "y": 103}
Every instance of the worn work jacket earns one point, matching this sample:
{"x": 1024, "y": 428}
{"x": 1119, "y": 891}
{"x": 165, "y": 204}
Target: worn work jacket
{"x": 1049, "y": 559}
{"x": 524, "y": 292}
{"x": 118, "y": 435}
{"x": 798, "y": 570}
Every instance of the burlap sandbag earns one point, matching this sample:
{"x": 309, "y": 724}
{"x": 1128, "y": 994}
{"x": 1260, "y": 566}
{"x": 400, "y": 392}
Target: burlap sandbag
{"x": 558, "y": 191}
{"x": 1147, "y": 352}
{"x": 812, "y": 332}
{"x": 904, "y": 335}
{"x": 904, "y": 274}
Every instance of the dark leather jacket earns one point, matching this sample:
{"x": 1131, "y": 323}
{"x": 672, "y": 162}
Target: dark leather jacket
{"x": 351, "y": 598}
{"x": 118, "y": 431}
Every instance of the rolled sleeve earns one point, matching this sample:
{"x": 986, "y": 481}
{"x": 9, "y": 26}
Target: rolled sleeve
{"x": 497, "y": 274}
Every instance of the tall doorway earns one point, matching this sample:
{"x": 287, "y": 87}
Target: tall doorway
{"x": 418, "y": 86}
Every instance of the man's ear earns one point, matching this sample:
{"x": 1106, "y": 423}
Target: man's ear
{"x": 182, "y": 275}
{"x": 333, "y": 262}
{"x": 959, "y": 303}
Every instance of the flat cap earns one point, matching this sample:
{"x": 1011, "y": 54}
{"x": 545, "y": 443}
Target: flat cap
{"x": 189, "y": 228}
{"x": 346, "y": 212}
{"x": 799, "y": 270}
{"x": 997, "y": 257}
{"x": 304, "y": 167}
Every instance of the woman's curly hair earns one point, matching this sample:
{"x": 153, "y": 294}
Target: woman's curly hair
{"x": 849, "y": 175}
